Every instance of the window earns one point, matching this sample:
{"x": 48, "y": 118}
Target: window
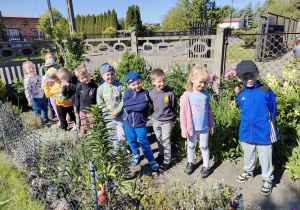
{"x": 38, "y": 35}
{"x": 13, "y": 34}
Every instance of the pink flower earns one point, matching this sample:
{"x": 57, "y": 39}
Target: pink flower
{"x": 234, "y": 68}
{"x": 217, "y": 86}
{"x": 212, "y": 77}
{"x": 237, "y": 90}
{"x": 229, "y": 74}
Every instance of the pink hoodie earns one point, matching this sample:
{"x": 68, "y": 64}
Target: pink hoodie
{"x": 186, "y": 122}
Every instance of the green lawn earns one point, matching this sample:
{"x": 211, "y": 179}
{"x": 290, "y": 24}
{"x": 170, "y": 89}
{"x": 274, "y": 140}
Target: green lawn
{"x": 14, "y": 186}
{"x": 236, "y": 53}
{"x": 20, "y": 58}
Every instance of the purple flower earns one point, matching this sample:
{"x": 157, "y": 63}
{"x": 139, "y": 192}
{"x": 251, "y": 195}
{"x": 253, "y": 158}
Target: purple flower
{"x": 212, "y": 77}
{"x": 294, "y": 208}
{"x": 234, "y": 204}
{"x": 237, "y": 89}
{"x": 217, "y": 86}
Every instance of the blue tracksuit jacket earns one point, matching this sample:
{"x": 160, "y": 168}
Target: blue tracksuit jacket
{"x": 255, "y": 103}
{"x": 135, "y": 108}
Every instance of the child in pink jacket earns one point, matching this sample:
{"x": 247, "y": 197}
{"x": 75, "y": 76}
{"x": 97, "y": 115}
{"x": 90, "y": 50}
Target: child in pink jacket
{"x": 196, "y": 118}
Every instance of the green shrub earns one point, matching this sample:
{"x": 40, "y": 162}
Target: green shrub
{"x": 2, "y": 90}
{"x": 207, "y": 195}
{"x": 14, "y": 109}
{"x": 249, "y": 40}
{"x": 293, "y": 165}
{"x": 30, "y": 118}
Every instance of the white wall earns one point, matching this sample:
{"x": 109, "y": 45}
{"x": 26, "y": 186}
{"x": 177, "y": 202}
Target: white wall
{"x": 234, "y": 25}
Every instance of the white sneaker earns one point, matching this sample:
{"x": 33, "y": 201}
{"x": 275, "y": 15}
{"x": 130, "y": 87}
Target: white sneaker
{"x": 74, "y": 128}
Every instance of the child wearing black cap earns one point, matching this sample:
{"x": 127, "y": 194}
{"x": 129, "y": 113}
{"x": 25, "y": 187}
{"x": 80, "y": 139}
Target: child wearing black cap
{"x": 110, "y": 98}
{"x": 258, "y": 105}
{"x": 135, "y": 117}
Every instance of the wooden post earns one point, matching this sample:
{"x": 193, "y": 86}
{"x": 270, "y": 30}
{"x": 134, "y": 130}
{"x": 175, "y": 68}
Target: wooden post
{"x": 134, "y": 43}
{"x": 219, "y": 44}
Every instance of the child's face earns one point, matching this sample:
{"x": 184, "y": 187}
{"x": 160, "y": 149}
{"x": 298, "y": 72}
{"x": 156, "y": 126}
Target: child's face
{"x": 198, "y": 84}
{"x": 249, "y": 79}
{"x": 136, "y": 85}
{"x": 108, "y": 77}
{"x": 62, "y": 78}
{"x": 85, "y": 78}
{"x": 30, "y": 70}
{"x": 49, "y": 57}
{"x": 159, "y": 82}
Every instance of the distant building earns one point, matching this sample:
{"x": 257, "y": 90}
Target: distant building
{"x": 151, "y": 25}
{"x": 21, "y": 27}
{"x": 236, "y": 23}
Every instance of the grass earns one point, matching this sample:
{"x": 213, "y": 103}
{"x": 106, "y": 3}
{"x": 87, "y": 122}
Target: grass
{"x": 20, "y": 58}
{"x": 14, "y": 186}
{"x": 236, "y": 53}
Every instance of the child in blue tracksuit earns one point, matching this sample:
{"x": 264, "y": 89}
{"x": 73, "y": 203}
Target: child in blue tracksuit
{"x": 256, "y": 101}
{"x": 135, "y": 103}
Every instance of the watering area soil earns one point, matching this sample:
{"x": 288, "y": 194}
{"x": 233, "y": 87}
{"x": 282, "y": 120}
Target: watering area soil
{"x": 285, "y": 193}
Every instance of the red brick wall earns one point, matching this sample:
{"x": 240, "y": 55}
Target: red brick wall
{"x": 25, "y": 26}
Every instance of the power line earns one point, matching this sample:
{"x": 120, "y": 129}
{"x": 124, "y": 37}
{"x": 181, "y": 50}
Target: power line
{"x": 34, "y": 6}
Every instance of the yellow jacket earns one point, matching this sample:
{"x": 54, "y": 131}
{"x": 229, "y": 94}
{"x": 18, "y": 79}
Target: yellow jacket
{"x": 56, "y": 91}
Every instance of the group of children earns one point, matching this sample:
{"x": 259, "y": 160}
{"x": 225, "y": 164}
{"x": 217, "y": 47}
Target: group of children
{"x": 126, "y": 112}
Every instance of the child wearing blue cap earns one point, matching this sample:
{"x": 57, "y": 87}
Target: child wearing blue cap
{"x": 135, "y": 117}
{"x": 110, "y": 98}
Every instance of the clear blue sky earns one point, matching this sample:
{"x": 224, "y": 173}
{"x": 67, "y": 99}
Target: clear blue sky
{"x": 152, "y": 11}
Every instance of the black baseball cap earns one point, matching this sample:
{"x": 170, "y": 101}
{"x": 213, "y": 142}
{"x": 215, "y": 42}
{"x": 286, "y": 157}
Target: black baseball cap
{"x": 246, "y": 66}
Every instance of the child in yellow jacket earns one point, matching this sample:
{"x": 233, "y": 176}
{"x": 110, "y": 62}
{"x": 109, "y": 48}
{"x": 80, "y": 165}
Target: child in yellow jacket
{"x": 53, "y": 88}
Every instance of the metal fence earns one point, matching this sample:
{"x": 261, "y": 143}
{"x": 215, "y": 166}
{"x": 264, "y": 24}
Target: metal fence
{"x": 270, "y": 51}
{"x": 55, "y": 177}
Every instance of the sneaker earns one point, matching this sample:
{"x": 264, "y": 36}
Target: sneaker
{"x": 164, "y": 167}
{"x": 189, "y": 168}
{"x": 204, "y": 172}
{"x": 244, "y": 177}
{"x": 266, "y": 189}
{"x": 159, "y": 158}
{"x": 74, "y": 128}
{"x": 45, "y": 121}
{"x": 135, "y": 160}
{"x": 154, "y": 166}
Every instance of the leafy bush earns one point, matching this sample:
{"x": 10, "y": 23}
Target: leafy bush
{"x": 293, "y": 164}
{"x": 14, "y": 109}
{"x": 31, "y": 119}
{"x": 2, "y": 90}
{"x": 133, "y": 62}
{"x": 249, "y": 40}
{"x": 207, "y": 195}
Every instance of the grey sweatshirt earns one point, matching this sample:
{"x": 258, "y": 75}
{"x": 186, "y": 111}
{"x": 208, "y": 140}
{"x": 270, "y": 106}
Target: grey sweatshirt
{"x": 33, "y": 87}
{"x": 164, "y": 104}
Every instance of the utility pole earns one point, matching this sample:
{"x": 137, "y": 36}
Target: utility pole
{"x": 50, "y": 12}
{"x": 71, "y": 18}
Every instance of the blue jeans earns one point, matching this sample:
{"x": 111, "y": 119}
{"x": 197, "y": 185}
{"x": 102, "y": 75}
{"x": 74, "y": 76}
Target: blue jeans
{"x": 139, "y": 133}
{"x": 40, "y": 106}
{"x": 50, "y": 107}
{"x": 265, "y": 159}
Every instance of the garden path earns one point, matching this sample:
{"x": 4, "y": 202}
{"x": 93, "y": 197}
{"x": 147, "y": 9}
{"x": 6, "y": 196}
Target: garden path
{"x": 284, "y": 196}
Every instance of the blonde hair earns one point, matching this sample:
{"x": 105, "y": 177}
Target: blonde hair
{"x": 64, "y": 72}
{"x": 79, "y": 70}
{"x": 157, "y": 73}
{"x": 27, "y": 63}
{"x": 49, "y": 53}
{"x": 197, "y": 72}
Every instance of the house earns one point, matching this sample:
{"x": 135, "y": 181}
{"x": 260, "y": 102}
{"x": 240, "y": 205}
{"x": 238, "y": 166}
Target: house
{"x": 20, "y": 28}
{"x": 235, "y": 23}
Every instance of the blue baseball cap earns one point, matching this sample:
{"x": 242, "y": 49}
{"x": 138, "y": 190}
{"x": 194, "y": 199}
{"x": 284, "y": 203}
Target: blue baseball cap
{"x": 106, "y": 68}
{"x": 132, "y": 77}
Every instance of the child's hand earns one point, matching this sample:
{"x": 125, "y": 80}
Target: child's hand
{"x": 77, "y": 114}
{"x": 114, "y": 115}
{"x": 184, "y": 134}
{"x": 64, "y": 84}
{"x": 211, "y": 131}
{"x": 173, "y": 122}
{"x": 30, "y": 103}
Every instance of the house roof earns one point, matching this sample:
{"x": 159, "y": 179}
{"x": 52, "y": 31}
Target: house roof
{"x": 232, "y": 20}
{"x": 19, "y": 16}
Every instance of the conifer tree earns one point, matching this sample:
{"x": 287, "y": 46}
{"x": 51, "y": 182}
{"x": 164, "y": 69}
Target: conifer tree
{"x": 100, "y": 23}
{"x": 138, "y": 18}
{"x": 108, "y": 18}
{"x": 81, "y": 28}
{"x": 129, "y": 17}
{"x": 104, "y": 21}
{"x": 86, "y": 24}
{"x": 77, "y": 22}
{"x": 114, "y": 19}
{"x": 92, "y": 24}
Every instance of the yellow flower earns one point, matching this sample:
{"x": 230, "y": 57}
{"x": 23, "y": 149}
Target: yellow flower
{"x": 297, "y": 112}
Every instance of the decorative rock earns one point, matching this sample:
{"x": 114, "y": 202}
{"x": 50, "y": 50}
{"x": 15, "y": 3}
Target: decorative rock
{"x": 40, "y": 184}
{"x": 60, "y": 204}
{"x": 52, "y": 193}
{"x": 30, "y": 176}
